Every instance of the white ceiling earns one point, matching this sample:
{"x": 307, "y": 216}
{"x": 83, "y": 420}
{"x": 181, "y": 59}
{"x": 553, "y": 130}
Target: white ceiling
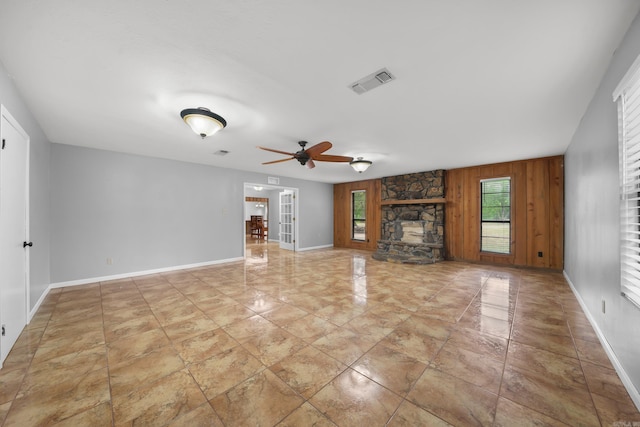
{"x": 477, "y": 81}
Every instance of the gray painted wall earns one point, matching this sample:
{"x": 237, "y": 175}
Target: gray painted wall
{"x": 38, "y": 186}
{"x": 147, "y": 213}
{"x": 592, "y": 256}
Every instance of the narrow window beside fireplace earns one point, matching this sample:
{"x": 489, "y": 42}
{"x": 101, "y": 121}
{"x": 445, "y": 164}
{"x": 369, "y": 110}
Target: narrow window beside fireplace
{"x": 358, "y": 215}
{"x": 495, "y": 227}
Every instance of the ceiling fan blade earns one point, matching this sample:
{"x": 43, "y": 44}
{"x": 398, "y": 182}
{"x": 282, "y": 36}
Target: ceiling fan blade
{"x": 330, "y": 158}
{"x": 278, "y": 161}
{"x": 310, "y": 164}
{"x": 318, "y": 149}
{"x": 276, "y": 151}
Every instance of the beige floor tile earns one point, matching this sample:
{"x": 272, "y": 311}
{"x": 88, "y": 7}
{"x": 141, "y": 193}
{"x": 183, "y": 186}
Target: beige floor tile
{"x": 171, "y": 313}
{"x": 138, "y": 345}
{"x": 97, "y": 416}
{"x": 159, "y": 402}
{"x": 477, "y": 342}
{"x": 418, "y": 346}
{"x": 310, "y": 328}
{"x": 306, "y": 415}
{"x": 618, "y": 410}
{"x": 352, "y": 399}
{"x": 4, "y": 410}
{"x": 511, "y": 414}
{"x": 390, "y": 368}
{"x": 603, "y": 381}
{"x": 453, "y": 400}
{"x": 227, "y": 315}
{"x": 540, "y": 338}
{"x": 189, "y": 328}
{"x": 273, "y": 346}
{"x": 352, "y": 335}
{"x": 410, "y": 415}
{"x": 205, "y": 345}
{"x": 560, "y": 369}
{"x": 131, "y": 374}
{"x": 592, "y": 352}
{"x": 371, "y": 326}
{"x": 69, "y": 338}
{"x": 262, "y": 400}
{"x": 10, "y": 382}
{"x": 202, "y": 416}
{"x": 145, "y": 321}
{"x": 344, "y": 345}
{"x": 88, "y": 391}
{"x": 486, "y": 325}
{"x": 59, "y": 374}
{"x": 308, "y": 370}
{"x": 466, "y": 365}
{"x": 225, "y": 370}
{"x": 571, "y": 405}
{"x": 253, "y": 326}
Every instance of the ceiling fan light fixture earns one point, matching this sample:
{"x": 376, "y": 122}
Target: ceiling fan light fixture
{"x": 203, "y": 121}
{"x": 360, "y": 165}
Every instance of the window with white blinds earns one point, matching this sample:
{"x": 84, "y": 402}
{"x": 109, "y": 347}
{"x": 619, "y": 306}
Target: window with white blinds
{"x": 627, "y": 95}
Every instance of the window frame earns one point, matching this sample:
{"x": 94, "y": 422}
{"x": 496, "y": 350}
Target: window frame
{"x": 509, "y": 222}
{"x": 627, "y": 97}
{"x": 354, "y": 219}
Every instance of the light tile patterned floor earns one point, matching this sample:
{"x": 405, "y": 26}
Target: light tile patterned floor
{"x": 326, "y": 337}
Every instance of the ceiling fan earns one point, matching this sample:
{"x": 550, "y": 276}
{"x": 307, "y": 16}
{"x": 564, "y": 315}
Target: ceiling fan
{"x": 306, "y": 157}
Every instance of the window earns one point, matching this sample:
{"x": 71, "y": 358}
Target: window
{"x": 495, "y": 227}
{"x": 628, "y": 96}
{"x": 358, "y": 214}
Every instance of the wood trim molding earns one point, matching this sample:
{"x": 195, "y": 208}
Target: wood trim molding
{"x": 433, "y": 201}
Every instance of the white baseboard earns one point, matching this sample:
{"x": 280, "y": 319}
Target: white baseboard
{"x": 140, "y": 273}
{"x": 35, "y": 308}
{"x": 626, "y": 381}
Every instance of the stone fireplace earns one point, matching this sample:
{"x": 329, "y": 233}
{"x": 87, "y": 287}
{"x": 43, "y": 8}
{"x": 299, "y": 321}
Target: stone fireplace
{"x": 412, "y": 218}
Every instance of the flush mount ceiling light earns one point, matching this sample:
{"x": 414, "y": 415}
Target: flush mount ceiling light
{"x": 203, "y": 121}
{"x": 360, "y": 165}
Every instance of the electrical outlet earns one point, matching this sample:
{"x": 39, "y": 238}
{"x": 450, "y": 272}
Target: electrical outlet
{"x": 540, "y": 254}
{"x": 109, "y": 261}
{"x": 603, "y": 306}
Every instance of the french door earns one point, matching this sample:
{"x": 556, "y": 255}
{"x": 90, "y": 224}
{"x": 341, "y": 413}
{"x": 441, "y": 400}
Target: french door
{"x": 287, "y": 220}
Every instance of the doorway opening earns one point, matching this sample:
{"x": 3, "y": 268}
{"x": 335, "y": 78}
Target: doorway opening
{"x": 14, "y": 231}
{"x": 278, "y": 207}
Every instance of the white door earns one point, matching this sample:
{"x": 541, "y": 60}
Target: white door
{"x": 287, "y": 220}
{"x": 14, "y": 155}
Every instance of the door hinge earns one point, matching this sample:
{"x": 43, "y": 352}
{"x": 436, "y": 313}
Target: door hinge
{"x": 4, "y": 141}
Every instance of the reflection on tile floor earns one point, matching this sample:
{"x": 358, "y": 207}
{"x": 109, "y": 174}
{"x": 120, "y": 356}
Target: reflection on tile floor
{"x": 326, "y": 337}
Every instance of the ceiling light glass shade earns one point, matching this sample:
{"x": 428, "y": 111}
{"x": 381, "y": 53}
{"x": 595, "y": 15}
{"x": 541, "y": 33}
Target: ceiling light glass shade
{"x": 360, "y": 165}
{"x": 203, "y": 121}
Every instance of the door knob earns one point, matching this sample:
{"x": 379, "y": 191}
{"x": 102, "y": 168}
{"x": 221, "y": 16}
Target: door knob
{"x": 25, "y": 244}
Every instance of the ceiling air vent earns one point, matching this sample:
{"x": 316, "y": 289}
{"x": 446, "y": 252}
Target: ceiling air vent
{"x": 372, "y": 81}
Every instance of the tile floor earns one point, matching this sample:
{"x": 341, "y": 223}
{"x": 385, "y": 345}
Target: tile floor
{"x": 323, "y": 338}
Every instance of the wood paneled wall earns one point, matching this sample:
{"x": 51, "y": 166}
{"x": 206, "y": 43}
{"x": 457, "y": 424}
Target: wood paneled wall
{"x": 342, "y": 214}
{"x": 537, "y": 215}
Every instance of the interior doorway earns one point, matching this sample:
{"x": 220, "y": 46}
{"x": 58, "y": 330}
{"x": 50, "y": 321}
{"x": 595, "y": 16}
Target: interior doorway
{"x": 269, "y": 196}
{"x": 14, "y": 231}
